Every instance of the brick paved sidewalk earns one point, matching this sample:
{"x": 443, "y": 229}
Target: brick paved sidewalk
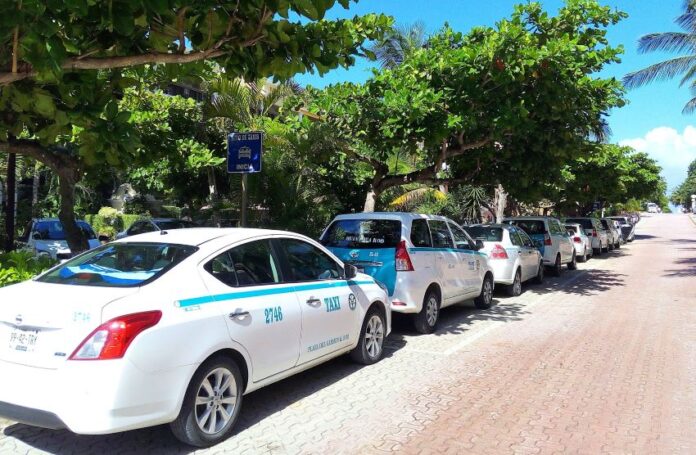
{"x": 600, "y": 360}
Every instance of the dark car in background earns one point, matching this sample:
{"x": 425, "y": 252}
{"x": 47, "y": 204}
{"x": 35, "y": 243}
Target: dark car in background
{"x": 155, "y": 224}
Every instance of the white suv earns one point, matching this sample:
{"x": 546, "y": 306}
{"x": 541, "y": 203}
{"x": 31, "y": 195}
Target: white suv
{"x": 551, "y": 238}
{"x": 426, "y": 262}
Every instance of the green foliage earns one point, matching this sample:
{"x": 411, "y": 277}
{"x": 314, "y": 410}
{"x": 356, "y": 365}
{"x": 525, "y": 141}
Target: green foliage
{"x": 109, "y": 221}
{"x": 682, "y": 194}
{"x": 18, "y": 266}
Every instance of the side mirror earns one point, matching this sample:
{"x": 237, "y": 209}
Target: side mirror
{"x": 36, "y": 236}
{"x": 479, "y": 244}
{"x": 350, "y": 271}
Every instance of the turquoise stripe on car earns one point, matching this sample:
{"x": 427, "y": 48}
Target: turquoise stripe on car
{"x": 454, "y": 250}
{"x": 269, "y": 291}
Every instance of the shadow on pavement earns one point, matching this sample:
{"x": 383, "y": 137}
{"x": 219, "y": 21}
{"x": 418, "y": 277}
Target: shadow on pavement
{"x": 616, "y": 253}
{"x": 687, "y": 270}
{"x": 645, "y": 237}
{"x": 592, "y": 282}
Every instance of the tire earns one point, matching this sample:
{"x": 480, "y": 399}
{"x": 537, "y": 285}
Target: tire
{"x": 370, "y": 348}
{"x": 539, "y": 278}
{"x": 426, "y": 320}
{"x": 573, "y": 264}
{"x": 190, "y": 426}
{"x": 610, "y": 247}
{"x": 583, "y": 258}
{"x": 617, "y": 245}
{"x": 515, "y": 288}
{"x": 485, "y": 298}
{"x": 597, "y": 251}
{"x": 557, "y": 269}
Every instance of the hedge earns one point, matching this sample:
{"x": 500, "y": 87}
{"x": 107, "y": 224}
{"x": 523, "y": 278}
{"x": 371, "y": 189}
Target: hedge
{"x": 109, "y": 221}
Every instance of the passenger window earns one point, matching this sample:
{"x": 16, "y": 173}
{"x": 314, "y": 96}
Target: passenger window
{"x": 555, "y": 228}
{"x": 441, "y": 234}
{"x": 461, "y": 240}
{"x": 309, "y": 263}
{"x": 420, "y": 234}
{"x": 515, "y": 237}
{"x": 526, "y": 240}
{"x": 250, "y": 264}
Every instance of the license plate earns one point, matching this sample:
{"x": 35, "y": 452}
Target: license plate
{"x": 23, "y": 340}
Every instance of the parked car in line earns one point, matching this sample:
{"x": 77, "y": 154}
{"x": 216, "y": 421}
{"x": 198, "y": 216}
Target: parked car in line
{"x": 653, "y": 208}
{"x": 511, "y": 254}
{"x": 581, "y": 242}
{"x": 628, "y": 228}
{"x": 46, "y": 237}
{"x": 426, "y": 262}
{"x": 551, "y": 239}
{"x": 614, "y": 233}
{"x": 155, "y": 225}
{"x": 177, "y": 328}
{"x": 594, "y": 229}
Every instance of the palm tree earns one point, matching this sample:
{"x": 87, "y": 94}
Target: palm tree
{"x": 678, "y": 42}
{"x": 399, "y": 43}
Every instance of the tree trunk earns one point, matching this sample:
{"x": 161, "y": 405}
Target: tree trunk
{"x": 67, "y": 179}
{"x": 500, "y": 203}
{"x": 35, "y": 190}
{"x": 370, "y": 201}
{"x": 10, "y": 205}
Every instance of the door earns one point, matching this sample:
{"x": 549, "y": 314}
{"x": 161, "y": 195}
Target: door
{"x": 519, "y": 251}
{"x": 327, "y": 304}
{"x": 262, "y": 312}
{"x": 469, "y": 261}
{"x": 531, "y": 256}
{"x": 446, "y": 260}
{"x": 560, "y": 240}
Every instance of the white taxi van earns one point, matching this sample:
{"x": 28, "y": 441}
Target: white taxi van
{"x": 176, "y": 326}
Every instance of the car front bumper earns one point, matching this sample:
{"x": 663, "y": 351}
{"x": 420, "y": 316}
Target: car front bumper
{"x": 91, "y": 397}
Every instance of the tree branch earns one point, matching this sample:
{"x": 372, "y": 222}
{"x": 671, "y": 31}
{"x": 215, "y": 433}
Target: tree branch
{"x": 59, "y": 162}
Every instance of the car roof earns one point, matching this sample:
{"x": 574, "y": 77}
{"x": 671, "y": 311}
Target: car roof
{"x": 198, "y": 236}
{"x": 490, "y": 225}
{"x": 41, "y": 220}
{"x": 387, "y": 216}
{"x": 520, "y": 218}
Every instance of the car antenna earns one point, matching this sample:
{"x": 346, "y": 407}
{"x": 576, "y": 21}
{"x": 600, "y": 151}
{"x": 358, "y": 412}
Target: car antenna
{"x": 163, "y": 232}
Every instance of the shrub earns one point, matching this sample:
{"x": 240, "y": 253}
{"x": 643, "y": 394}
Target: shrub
{"x": 109, "y": 221}
{"x": 18, "y": 266}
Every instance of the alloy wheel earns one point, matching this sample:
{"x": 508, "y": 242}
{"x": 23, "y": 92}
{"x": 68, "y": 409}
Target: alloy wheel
{"x": 374, "y": 336}
{"x": 215, "y": 401}
{"x": 431, "y": 311}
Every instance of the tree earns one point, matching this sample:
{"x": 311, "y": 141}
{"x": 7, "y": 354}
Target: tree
{"x": 675, "y": 42}
{"x": 399, "y": 43}
{"x": 62, "y": 67}
{"x": 486, "y": 107}
{"x": 682, "y": 194}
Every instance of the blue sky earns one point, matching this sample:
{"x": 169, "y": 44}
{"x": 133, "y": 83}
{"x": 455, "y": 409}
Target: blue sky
{"x": 652, "y": 122}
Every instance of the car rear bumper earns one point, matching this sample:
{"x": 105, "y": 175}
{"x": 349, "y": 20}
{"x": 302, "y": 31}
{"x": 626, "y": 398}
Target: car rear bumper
{"x": 409, "y": 291}
{"x": 91, "y": 397}
{"x": 503, "y": 270}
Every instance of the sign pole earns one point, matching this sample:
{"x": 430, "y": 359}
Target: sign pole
{"x": 245, "y": 188}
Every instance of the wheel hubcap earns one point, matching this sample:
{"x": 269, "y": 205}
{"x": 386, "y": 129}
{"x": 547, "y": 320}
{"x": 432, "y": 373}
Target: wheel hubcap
{"x": 374, "y": 336}
{"x": 431, "y": 311}
{"x": 518, "y": 284}
{"x": 216, "y": 401}
{"x": 487, "y": 292}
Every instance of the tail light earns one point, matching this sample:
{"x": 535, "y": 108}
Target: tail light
{"x": 594, "y": 232}
{"x": 577, "y": 240}
{"x": 403, "y": 260}
{"x": 111, "y": 339}
{"x": 547, "y": 240}
{"x": 498, "y": 252}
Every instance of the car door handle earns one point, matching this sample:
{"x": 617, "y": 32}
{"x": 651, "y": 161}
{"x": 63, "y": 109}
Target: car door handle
{"x": 239, "y": 314}
{"x": 313, "y": 302}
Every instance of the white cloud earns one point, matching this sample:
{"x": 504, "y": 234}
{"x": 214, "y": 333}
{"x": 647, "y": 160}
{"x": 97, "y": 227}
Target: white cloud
{"x": 672, "y": 150}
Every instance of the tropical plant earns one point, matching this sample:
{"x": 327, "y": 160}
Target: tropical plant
{"x": 675, "y": 42}
{"x": 18, "y": 266}
{"x": 398, "y": 43}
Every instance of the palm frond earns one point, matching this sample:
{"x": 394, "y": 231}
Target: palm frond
{"x": 690, "y": 107}
{"x": 403, "y": 40}
{"x": 417, "y": 196}
{"x": 659, "y": 71}
{"x": 687, "y": 20}
{"x": 667, "y": 42}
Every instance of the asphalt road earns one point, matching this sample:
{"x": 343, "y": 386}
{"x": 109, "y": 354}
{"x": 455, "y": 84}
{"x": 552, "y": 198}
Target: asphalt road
{"x": 602, "y": 359}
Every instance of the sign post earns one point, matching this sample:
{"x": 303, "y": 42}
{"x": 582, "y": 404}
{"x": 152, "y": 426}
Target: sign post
{"x": 244, "y": 152}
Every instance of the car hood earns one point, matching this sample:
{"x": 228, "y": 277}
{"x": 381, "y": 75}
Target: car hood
{"x": 60, "y": 316}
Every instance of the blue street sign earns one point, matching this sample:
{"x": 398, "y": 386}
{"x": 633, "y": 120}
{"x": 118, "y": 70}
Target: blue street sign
{"x": 244, "y": 152}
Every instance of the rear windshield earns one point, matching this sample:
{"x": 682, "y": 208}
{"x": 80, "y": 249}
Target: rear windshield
{"x": 584, "y": 222}
{"x": 620, "y": 219}
{"x": 531, "y": 227}
{"x": 605, "y": 224}
{"x": 53, "y": 230}
{"x": 487, "y": 234}
{"x": 363, "y": 234}
{"x": 119, "y": 265}
{"x": 571, "y": 228}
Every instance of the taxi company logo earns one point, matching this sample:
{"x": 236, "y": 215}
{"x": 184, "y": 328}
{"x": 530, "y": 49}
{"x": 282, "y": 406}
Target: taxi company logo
{"x": 354, "y": 254}
{"x": 352, "y": 302}
{"x": 18, "y": 319}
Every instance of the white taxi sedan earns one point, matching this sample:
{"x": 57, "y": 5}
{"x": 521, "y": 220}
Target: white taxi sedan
{"x": 176, "y": 326}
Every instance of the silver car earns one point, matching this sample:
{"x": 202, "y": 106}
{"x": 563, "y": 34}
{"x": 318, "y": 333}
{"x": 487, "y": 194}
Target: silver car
{"x": 511, "y": 254}
{"x": 628, "y": 228}
{"x": 614, "y": 233}
{"x": 581, "y": 242}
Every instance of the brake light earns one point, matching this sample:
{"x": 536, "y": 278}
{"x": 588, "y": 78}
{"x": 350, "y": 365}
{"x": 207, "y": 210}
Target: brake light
{"x": 547, "y": 240}
{"x": 111, "y": 339}
{"x": 498, "y": 252}
{"x": 577, "y": 240}
{"x": 594, "y": 232}
{"x": 403, "y": 260}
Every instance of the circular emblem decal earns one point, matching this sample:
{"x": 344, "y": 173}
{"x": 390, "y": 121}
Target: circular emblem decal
{"x": 352, "y": 301}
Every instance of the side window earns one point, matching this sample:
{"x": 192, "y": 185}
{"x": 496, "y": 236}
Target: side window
{"x": 515, "y": 237}
{"x": 441, "y": 234}
{"x": 555, "y": 228}
{"x": 526, "y": 240}
{"x": 420, "y": 234}
{"x": 461, "y": 240}
{"x": 250, "y": 264}
{"x": 309, "y": 263}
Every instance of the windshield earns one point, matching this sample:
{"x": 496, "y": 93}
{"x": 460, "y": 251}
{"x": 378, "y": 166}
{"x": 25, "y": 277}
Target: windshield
{"x": 363, "y": 234}
{"x": 53, "y": 230}
{"x": 119, "y": 265}
{"x": 487, "y": 234}
{"x": 168, "y": 225}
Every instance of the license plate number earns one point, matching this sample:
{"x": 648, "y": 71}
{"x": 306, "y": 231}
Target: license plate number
{"x": 23, "y": 340}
